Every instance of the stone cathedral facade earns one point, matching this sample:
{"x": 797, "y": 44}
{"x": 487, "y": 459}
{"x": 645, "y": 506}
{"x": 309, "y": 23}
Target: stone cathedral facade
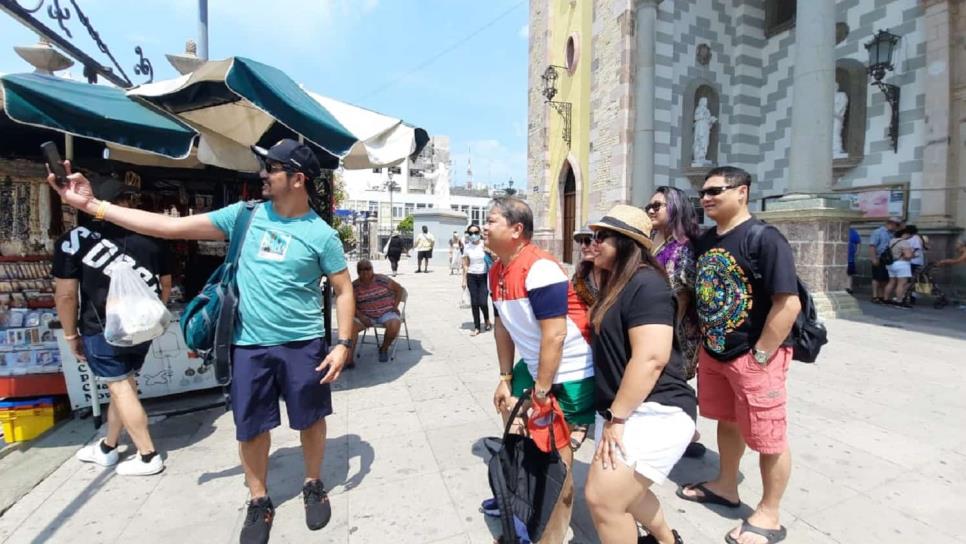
{"x": 634, "y": 72}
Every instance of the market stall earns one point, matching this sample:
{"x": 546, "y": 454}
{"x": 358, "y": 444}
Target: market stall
{"x": 186, "y": 144}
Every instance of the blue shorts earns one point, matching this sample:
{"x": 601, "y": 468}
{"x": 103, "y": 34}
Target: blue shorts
{"x": 263, "y": 374}
{"x": 112, "y": 363}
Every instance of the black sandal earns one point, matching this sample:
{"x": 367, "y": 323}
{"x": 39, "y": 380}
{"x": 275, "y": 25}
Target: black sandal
{"x": 707, "y": 496}
{"x": 772, "y": 535}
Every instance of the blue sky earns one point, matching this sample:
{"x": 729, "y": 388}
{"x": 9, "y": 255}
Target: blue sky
{"x": 349, "y": 50}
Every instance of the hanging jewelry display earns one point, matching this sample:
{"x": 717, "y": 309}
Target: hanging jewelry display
{"x": 22, "y": 212}
{"x": 35, "y": 232}
{"x": 6, "y": 203}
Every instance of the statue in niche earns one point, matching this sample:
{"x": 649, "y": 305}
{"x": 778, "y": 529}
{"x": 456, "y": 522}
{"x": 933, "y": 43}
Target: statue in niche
{"x": 838, "y": 124}
{"x": 703, "y": 121}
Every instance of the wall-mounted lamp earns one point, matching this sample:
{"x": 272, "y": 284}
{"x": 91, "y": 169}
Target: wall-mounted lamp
{"x": 880, "y": 49}
{"x": 549, "y": 78}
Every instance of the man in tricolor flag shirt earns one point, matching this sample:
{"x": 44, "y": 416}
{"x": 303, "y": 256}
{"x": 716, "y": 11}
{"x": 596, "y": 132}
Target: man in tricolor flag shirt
{"x": 541, "y": 321}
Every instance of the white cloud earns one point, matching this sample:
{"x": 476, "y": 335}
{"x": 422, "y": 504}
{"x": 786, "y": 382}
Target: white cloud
{"x": 524, "y": 31}
{"x": 493, "y": 162}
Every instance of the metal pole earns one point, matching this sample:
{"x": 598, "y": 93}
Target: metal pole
{"x": 203, "y": 29}
{"x": 390, "y": 201}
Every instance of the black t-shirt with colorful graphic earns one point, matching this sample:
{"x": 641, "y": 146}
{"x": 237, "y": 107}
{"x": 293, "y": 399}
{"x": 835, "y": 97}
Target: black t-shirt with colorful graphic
{"x": 86, "y": 253}
{"x": 645, "y": 300}
{"x": 732, "y": 303}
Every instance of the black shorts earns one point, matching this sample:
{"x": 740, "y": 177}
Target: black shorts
{"x": 425, "y": 255}
{"x": 880, "y": 273}
{"x": 264, "y": 374}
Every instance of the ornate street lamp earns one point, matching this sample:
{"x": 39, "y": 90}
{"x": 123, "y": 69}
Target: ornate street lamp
{"x": 510, "y": 191}
{"x": 880, "y": 49}
{"x": 549, "y": 91}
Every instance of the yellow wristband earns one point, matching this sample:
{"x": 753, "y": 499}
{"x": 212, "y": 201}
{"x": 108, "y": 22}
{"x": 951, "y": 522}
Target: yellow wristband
{"x": 101, "y": 210}
{"x": 508, "y": 377}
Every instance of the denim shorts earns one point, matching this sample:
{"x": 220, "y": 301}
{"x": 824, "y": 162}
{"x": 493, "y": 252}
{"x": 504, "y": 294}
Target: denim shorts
{"x": 261, "y": 375}
{"x": 112, "y": 363}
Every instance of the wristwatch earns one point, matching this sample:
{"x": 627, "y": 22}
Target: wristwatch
{"x": 761, "y": 356}
{"x": 609, "y": 416}
{"x": 540, "y": 394}
{"x": 344, "y": 342}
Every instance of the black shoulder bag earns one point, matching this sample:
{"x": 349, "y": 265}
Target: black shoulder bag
{"x": 525, "y": 480}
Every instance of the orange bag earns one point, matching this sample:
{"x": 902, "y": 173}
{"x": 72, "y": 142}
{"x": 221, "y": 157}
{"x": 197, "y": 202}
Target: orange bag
{"x": 548, "y": 421}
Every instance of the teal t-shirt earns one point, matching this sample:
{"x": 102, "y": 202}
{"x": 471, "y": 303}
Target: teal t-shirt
{"x": 280, "y": 269}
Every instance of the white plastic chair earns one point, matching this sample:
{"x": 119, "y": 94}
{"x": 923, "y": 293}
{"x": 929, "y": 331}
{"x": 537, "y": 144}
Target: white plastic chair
{"x": 375, "y": 329}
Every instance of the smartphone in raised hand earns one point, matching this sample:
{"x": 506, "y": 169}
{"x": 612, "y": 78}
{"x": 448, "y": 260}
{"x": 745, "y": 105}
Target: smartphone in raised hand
{"x": 54, "y": 162}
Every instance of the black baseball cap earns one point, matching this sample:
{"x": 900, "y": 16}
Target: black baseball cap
{"x": 291, "y": 153}
{"x": 110, "y": 189}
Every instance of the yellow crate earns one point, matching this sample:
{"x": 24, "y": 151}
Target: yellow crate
{"x": 26, "y": 423}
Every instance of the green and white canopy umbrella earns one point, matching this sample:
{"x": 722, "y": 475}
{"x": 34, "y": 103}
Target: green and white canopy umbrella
{"x": 97, "y": 112}
{"x": 235, "y": 103}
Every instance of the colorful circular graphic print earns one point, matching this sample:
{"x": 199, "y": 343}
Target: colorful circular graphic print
{"x": 723, "y": 297}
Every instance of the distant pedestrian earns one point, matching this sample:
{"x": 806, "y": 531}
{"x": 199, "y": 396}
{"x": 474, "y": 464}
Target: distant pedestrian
{"x": 900, "y": 271}
{"x": 960, "y": 257}
{"x": 474, "y": 278}
{"x": 855, "y": 240}
{"x": 879, "y": 244}
{"x": 455, "y": 254}
{"x": 586, "y": 278}
{"x": 394, "y": 250}
{"x": 82, "y": 264}
{"x": 645, "y": 407}
{"x": 746, "y": 314}
{"x": 424, "y": 249}
{"x": 675, "y": 229}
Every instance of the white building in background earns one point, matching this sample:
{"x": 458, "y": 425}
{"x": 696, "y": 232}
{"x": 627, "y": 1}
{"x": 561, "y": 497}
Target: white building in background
{"x": 425, "y": 182}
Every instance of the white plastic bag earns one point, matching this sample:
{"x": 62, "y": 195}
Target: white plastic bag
{"x": 464, "y": 301}
{"x": 134, "y": 313}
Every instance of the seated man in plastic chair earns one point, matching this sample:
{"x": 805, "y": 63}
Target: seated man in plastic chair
{"x": 377, "y": 303}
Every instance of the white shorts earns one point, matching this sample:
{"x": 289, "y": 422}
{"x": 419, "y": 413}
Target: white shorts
{"x": 900, "y": 269}
{"x": 655, "y": 437}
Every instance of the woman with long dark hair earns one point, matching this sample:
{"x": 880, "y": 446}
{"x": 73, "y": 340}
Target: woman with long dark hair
{"x": 675, "y": 224}
{"x": 646, "y": 409}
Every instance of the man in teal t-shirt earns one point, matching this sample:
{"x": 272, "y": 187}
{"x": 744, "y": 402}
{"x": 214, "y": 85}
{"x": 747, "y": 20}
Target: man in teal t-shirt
{"x": 279, "y": 350}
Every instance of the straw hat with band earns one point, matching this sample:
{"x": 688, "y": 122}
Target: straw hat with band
{"x": 630, "y": 221}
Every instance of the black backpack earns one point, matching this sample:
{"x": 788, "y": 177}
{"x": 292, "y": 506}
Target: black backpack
{"x": 808, "y": 333}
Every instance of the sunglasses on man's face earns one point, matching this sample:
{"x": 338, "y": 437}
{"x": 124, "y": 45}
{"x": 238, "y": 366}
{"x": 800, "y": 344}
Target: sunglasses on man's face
{"x": 714, "y": 191}
{"x": 653, "y": 207}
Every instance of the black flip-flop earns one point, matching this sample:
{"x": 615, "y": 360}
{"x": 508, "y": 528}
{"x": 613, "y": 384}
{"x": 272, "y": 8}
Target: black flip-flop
{"x": 772, "y": 535}
{"x": 707, "y": 496}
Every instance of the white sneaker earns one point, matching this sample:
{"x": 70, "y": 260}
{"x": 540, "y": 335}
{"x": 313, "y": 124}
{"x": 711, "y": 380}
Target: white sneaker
{"x": 92, "y": 453}
{"x": 136, "y": 467}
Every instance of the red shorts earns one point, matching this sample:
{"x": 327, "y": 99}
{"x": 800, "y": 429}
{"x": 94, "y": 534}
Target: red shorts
{"x": 753, "y": 396}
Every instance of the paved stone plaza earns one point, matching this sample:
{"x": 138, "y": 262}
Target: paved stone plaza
{"x": 879, "y": 449}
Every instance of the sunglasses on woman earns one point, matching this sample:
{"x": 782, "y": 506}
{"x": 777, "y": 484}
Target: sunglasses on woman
{"x": 601, "y": 235}
{"x": 585, "y": 240}
{"x": 653, "y": 207}
{"x": 714, "y": 191}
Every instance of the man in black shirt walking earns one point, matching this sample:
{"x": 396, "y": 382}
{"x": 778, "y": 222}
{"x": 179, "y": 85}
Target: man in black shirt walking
{"x": 82, "y": 263}
{"x": 746, "y": 312}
